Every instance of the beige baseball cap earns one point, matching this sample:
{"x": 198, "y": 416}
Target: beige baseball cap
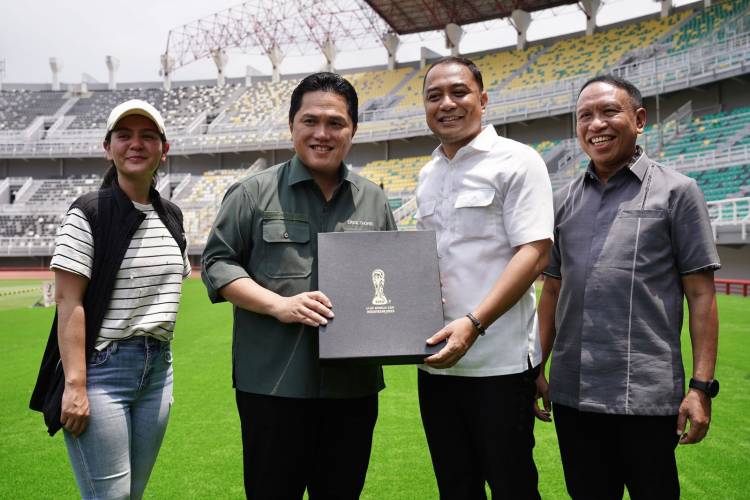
{"x": 135, "y": 107}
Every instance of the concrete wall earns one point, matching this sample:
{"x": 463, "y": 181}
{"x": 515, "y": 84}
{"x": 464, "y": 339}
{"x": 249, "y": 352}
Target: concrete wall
{"x": 417, "y": 146}
{"x": 362, "y": 154}
{"x": 543, "y": 129}
{"x": 84, "y": 166}
{"x": 725, "y": 95}
{"x": 33, "y": 167}
{"x": 735, "y": 262}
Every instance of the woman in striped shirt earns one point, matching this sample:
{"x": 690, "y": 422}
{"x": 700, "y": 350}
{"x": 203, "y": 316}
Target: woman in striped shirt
{"x": 118, "y": 378}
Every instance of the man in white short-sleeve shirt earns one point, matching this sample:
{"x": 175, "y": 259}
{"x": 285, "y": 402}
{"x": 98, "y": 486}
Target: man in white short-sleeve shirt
{"x": 489, "y": 200}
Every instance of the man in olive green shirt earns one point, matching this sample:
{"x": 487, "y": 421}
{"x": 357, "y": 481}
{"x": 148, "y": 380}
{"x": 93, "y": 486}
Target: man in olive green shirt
{"x": 304, "y": 426}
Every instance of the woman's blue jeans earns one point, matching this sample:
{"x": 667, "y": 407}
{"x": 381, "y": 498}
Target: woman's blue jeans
{"x": 130, "y": 394}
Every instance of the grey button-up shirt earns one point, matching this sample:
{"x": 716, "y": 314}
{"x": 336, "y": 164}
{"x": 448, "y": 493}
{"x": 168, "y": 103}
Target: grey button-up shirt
{"x": 267, "y": 229}
{"x": 620, "y": 250}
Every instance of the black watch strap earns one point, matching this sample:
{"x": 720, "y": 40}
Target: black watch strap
{"x": 710, "y": 388}
{"x": 477, "y": 325}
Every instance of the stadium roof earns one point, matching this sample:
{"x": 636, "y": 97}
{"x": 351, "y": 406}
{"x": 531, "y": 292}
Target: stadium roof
{"x": 303, "y": 27}
{"x": 415, "y": 16}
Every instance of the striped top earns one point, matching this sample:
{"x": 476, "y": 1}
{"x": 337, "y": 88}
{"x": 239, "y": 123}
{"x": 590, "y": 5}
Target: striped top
{"x": 146, "y": 293}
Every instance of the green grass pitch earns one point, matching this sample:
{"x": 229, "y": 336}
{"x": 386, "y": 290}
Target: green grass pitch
{"x": 201, "y": 456}
{"x": 18, "y": 294}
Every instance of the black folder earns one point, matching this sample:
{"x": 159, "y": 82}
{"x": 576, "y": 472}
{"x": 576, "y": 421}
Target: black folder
{"x": 385, "y": 290}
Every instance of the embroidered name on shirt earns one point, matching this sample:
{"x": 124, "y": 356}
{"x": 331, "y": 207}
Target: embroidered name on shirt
{"x": 367, "y": 223}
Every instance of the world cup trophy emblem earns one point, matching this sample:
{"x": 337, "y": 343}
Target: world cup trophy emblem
{"x": 378, "y": 282}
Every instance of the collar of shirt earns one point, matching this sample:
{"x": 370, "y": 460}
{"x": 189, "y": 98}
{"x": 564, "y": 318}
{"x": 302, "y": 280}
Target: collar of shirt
{"x": 637, "y": 164}
{"x": 299, "y": 173}
{"x": 484, "y": 141}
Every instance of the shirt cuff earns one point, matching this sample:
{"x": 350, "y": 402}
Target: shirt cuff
{"x": 525, "y": 239}
{"x": 72, "y": 268}
{"x": 710, "y": 267}
{"x": 219, "y": 275}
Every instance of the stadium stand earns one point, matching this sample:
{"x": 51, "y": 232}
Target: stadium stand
{"x": 706, "y": 22}
{"x": 372, "y": 85}
{"x": 720, "y": 183}
{"x": 710, "y": 132}
{"x": 19, "y": 107}
{"x": 397, "y": 176}
{"x": 60, "y": 191}
{"x": 200, "y": 198}
{"x": 257, "y": 105}
{"x": 197, "y": 222}
{"x": 543, "y": 147}
{"x": 499, "y": 66}
{"x": 211, "y": 126}
{"x": 590, "y": 54}
{"x": 496, "y": 67}
{"x": 410, "y": 95}
{"x": 211, "y": 186}
{"x": 29, "y": 225}
{"x": 179, "y": 106}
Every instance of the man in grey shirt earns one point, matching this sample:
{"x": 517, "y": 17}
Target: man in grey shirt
{"x": 632, "y": 238}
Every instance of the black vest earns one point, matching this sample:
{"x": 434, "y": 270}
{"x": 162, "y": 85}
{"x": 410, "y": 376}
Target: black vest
{"x": 113, "y": 220}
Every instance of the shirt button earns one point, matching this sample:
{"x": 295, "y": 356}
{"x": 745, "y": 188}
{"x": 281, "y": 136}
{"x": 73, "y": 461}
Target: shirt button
{"x": 286, "y": 235}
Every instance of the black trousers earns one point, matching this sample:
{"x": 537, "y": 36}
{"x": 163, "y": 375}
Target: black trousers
{"x": 602, "y": 454}
{"x": 291, "y": 444}
{"x": 481, "y": 429}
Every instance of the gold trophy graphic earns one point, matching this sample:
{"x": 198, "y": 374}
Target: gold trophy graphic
{"x": 378, "y": 282}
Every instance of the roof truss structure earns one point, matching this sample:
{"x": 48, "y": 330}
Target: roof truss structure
{"x": 295, "y": 27}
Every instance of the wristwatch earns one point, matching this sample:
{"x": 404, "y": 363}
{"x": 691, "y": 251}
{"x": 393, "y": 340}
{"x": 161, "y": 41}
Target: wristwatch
{"x": 710, "y": 388}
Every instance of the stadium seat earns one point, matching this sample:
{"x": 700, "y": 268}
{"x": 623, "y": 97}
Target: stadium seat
{"x": 18, "y": 108}
{"x": 583, "y": 54}
{"x": 262, "y": 102}
{"x": 180, "y": 106}
{"x": 721, "y": 183}
{"x": 706, "y": 23}
{"x": 398, "y": 176}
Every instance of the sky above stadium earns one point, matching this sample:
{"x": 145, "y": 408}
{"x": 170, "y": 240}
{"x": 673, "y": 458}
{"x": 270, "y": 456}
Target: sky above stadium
{"x": 80, "y": 33}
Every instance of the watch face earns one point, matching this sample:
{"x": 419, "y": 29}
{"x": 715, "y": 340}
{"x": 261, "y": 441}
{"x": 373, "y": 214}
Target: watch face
{"x": 713, "y": 388}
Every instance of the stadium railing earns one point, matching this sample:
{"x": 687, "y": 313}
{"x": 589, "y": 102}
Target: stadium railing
{"x": 729, "y": 220}
{"x": 20, "y": 246}
{"x": 730, "y": 214}
{"x": 735, "y": 155}
{"x": 732, "y": 287}
{"x": 730, "y": 211}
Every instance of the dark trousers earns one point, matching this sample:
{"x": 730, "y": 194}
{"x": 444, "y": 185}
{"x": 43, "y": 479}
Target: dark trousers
{"x": 601, "y": 454}
{"x": 480, "y": 429}
{"x": 291, "y": 444}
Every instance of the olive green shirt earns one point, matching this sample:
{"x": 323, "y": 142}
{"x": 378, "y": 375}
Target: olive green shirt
{"x": 267, "y": 230}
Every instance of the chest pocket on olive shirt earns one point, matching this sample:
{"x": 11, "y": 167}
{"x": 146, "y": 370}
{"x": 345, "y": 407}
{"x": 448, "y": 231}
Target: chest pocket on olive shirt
{"x": 476, "y": 216}
{"x": 287, "y": 248}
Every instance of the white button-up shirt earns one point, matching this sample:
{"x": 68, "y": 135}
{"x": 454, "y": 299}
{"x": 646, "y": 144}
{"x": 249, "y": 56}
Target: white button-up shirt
{"x": 492, "y": 197}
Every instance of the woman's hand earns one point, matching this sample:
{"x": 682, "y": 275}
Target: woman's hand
{"x": 75, "y": 409}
